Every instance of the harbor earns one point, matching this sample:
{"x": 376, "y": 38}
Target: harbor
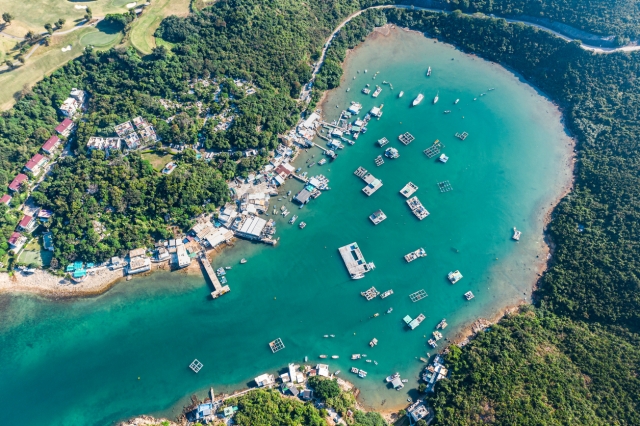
{"x": 304, "y": 275}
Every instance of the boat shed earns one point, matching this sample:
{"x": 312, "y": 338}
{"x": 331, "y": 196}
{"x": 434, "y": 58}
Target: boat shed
{"x": 397, "y": 383}
{"x": 250, "y": 227}
{"x": 302, "y": 197}
{"x": 200, "y": 412}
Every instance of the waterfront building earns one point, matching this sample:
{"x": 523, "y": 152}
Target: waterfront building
{"x": 182, "y": 259}
{"x": 322, "y": 370}
{"x": 265, "y": 380}
{"x": 302, "y": 197}
{"x": 250, "y": 227}
{"x": 419, "y": 411}
{"x": 138, "y": 261}
{"x": 434, "y": 372}
{"x": 203, "y": 412}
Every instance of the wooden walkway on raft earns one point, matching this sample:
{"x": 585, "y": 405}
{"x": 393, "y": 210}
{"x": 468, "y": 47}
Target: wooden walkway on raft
{"x": 209, "y": 272}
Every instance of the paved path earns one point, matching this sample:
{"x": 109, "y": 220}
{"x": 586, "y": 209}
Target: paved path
{"x": 306, "y": 91}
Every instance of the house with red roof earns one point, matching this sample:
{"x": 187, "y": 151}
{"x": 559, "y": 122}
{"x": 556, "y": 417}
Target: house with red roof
{"x": 51, "y": 144}
{"x": 15, "y": 183}
{"x": 36, "y": 163}
{"x": 16, "y": 241}
{"x": 65, "y": 127}
{"x": 27, "y": 223}
{"x": 6, "y": 199}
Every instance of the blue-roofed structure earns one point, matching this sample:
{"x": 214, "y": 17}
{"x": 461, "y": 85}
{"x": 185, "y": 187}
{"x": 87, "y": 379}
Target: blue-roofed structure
{"x": 200, "y": 412}
{"x": 79, "y": 273}
{"x": 77, "y": 265}
{"x": 90, "y": 265}
{"x": 70, "y": 268}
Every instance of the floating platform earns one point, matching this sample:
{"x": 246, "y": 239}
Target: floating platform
{"x": 462, "y": 136}
{"x": 377, "y": 217}
{"x": 442, "y": 324}
{"x": 276, "y": 345}
{"x": 454, "y": 276}
{"x": 417, "y": 208}
{"x": 386, "y": 294}
{"x": 379, "y": 160}
{"x": 354, "y": 261}
{"x": 418, "y": 295}
{"x": 406, "y": 138}
{"x": 360, "y": 172}
{"x": 434, "y": 149}
{"x": 370, "y": 294}
{"x": 382, "y": 142}
{"x": 373, "y": 184}
{"x": 196, "y": 366}
{"x": 445, "y": 186}
{"x": 468, "y": 295}
{"x": 408, "y": 190}
{"x": 410, "y": 257}
{"x": 416, "y": 321}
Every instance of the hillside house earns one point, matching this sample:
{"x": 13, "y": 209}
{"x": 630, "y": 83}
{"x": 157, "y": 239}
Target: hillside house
{"x": 27, "y": 223}
{"x": 65, "y": 127}
{"x": 6, "y": 199}
{"x": 16, "y": 241}
{"x": 17, "y": 181}
{"x": 51, "y": 145}
{"x": 35, "y": 164}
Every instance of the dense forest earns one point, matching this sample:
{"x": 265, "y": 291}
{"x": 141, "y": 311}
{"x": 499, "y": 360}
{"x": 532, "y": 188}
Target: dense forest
{"x": 603, "y": 17}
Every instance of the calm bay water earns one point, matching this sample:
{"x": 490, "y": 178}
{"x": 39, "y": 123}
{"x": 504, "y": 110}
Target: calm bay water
{"x": 98, "y": 360}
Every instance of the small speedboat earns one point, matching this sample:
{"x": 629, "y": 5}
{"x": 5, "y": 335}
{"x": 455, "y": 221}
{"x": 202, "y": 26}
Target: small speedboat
{"x": 227, "y": 267}
{"x": 332, "y": 335}
{"x": 243, "y": 260}
{"x": 335, "y": 356}
{"x": 389, "y": 310}
{"x": 326, "y": 335}
{"x": 323, "y": 356}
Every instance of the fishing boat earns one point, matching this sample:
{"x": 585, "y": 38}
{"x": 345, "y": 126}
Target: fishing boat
{"x": 322, "y": 162}
{"x": 429, "y": 72}
{"x": 377, "y": 92}
{"x": 302, "y": 225}
{"x": 362, "y": 374}
{"x": 337, "y": 372}
{"x": 457, "y": 100}
{"x": 447, "y": 111}
{"x": 401, "y": 94}
{"x": 243, "y": 260}
{"x": 323, "y": 356}
{"x": 468, "y": 295}
{"x": 516, "y": 234}
{"x": 354, "y": 370}
{"x": 373, "y": 342}
{"x": 443, "y": 158}
{"x": 418, "y": 99}
{"x": 312, "y": 164}
{"x": 335, "y": 356}
{"x": 227, "y": 267}
{"x": 435, "y": 100}
{"x": 454, "y": 276}
{"x": 293, "y": 219}
{"x": 332, "y": 335}
{"x": 366, "y": 91}
{"x": 355, "y": 356}
{"x": 432, "y": 343}
{"x": 393, "y": 376}
{"x": 288, "y": 193}
{"x": 442, "y": 324}
{"x": 389, "y": 310}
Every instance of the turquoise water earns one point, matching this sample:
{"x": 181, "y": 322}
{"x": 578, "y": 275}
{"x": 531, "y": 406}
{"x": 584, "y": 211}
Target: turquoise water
{"x": 98, "y": 360}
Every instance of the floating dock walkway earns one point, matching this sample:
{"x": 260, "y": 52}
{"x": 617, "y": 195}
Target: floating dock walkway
{"x": 209, "y": 272}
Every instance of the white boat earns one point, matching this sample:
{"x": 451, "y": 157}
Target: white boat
{"x": 435, "y": 100}
{"x": 429, "y": 72}
{"x": 335, "y": 356}
{"x": 457, "y": 100}
{"x": 400, "y": 94}
{"x": 354, "y": 370}
{"x": 332, "y": 335}
{"x": 348, "y": 88}
{"x": 405, "y": 380}
{"x": 293, "y": 219}
{"x": 393, "y": 376}
{"x": 227, "y": 267}
{"x": 243, "y": 260}
{"x": 418, "y": 99}
{"x": 368, "y": 360}
{"x": 516, "y": 234}
{"x": 355, "y": 356}
{"x": 443, "y": 158}
{"x": 389, "y": 310}
{"x": 302, "y": 225}
{"x": 323, "y": 356}
{"x": 337, "y": 372}
{"x": 362, "y": 374}
{"x": 326, "y": 335}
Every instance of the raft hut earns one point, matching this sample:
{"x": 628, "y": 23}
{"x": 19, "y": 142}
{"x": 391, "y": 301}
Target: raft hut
{"x": 408, "y": 190}
{"x": 354, "y": 261}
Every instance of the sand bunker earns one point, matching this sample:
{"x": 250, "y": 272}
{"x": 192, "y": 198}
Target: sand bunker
{"x": 66, "y": 49}
{"x": 78, "y": 6}
{"x": 130, "y": 5}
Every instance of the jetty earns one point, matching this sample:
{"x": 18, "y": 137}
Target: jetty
{"x": 408, "y": 190}
{"x": 434, "y": 149}
{"x": 406, "y": 138}
{"x": 373, "y": 184}
{"x": 418, "y": 295}
{"x": 370, "y": 294}
{"x": 209, "y": 272}
{"x": 354, "y": 261}
{"x": 462, "y": 136}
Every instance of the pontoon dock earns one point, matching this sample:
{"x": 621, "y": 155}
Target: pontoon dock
{"x": 354, "y": 261}
{"x": 373, "y": 184}
{"x": 219, "y": 289}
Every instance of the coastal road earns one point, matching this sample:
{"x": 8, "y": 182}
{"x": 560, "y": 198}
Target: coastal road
{"x": 306, "y": 91}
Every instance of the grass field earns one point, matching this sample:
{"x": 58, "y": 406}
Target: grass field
{"x": 157, "y": 161}
{"x": 46, "y": 60}
{"x": 141, "y": 34}
{"x": 32, "y": 15}
{"x": 33, "y": 253}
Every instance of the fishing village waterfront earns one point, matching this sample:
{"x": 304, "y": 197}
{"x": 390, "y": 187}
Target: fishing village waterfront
{"x": 507, "y": 172}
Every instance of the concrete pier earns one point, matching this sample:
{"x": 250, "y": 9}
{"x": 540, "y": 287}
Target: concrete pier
{"x": 210, "y": 273}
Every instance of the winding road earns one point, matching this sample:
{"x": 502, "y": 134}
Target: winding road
{"x": 306, "y": 91}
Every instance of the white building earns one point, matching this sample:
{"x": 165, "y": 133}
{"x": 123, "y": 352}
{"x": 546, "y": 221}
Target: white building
{"x": 322, "y": 370}
{"x": 250, "y": 227}
{"x": 265, "y": 380}
{"x": 138, "y": 261}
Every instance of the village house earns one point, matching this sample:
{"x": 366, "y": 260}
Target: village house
{"x": 27, "y": 223}
{"x": 117, "y": 263}
{"x": 265, "y": 380}
{"x": 418, "y": 411}
{"x": 16, "y": 241}
{"x": 51, "y": 145}
{"x": 182, "y": 259}
{"x": 284, "y": 170}
{"x": 65, "y": 127}
{"x": 250, "y": 227}
{"x": 210, "y": 236}
{"x": 169, "y": 168}
{"x": 124, "y": 129}
{"x": 138, "y": 261}
{"x": 74, "y": 103}
{"x": 104, "y": 144}
{"x": 132, "y": 140}
{"x": 6, "y": 199}
{"x": 17, "y": 181}
{"x": 35, "y": 164}
{"x": 44, "y": 215}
